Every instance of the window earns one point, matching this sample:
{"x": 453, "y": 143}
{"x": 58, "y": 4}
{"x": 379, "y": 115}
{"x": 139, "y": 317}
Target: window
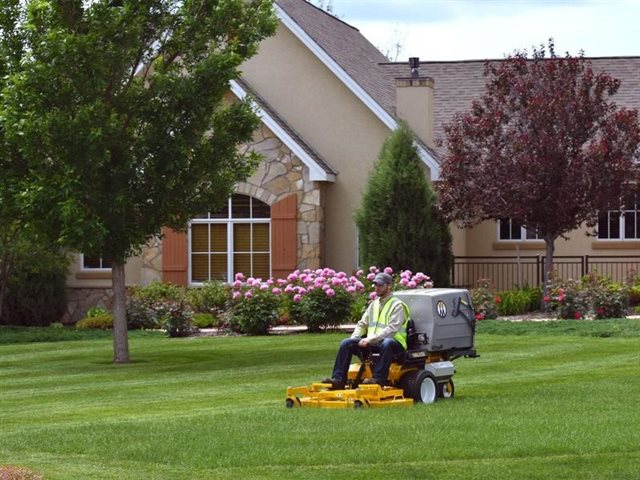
{"x": 231, "y": 240}
{"x": 620, "y": 224}
{"x": 95, "y": 263}
{"x": 510, "y": 230}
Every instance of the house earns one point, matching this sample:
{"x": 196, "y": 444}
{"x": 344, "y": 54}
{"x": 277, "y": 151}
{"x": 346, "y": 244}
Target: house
{"x": 327, "y": 99}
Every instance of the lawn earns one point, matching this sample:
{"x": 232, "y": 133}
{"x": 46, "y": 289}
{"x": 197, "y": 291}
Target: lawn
{"x": 541, "y": 402}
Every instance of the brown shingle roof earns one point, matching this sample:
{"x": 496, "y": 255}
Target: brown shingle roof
{"x": 457, "y": 83}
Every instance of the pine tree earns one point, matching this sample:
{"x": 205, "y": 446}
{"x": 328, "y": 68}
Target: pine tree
{"x": 398, "y": 221}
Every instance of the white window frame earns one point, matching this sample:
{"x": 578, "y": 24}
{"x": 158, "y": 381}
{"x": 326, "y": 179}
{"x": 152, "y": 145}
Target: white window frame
{"x": 524, "y": 234}
{"x": 622, "y": 218}
{"x": 230, "y": 222}
{"x": 93, "y": 269}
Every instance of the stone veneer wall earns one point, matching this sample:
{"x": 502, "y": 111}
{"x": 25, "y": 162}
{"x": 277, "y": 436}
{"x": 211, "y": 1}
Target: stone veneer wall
{"x": 279, "y": 175}
{"x": 79, "y": 300}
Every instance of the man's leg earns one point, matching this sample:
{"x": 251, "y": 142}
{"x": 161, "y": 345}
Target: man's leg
{"x": 388, "y": 348}
{"x": 348, "y": 347}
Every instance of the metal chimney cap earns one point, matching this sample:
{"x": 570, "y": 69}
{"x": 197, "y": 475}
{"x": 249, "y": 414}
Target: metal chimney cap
{"x": 414, "y": 63}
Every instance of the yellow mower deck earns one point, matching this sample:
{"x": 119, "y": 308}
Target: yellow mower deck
{"x": 319, "y": 395}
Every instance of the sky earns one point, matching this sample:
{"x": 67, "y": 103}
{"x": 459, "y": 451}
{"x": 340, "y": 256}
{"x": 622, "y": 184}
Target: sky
{"x": 481, "y": 29}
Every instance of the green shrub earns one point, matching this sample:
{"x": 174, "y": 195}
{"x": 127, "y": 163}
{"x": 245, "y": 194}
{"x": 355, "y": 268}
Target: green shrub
{"x": 158, "y": 292}
{"x": 175, "y": 318}
{"x": 634, "y": 295}
{"x": 519, "y": 301}
{"x": 212, "y": 297}
{"x": 317, "y": 309}
{"x": 103, "y": 322}
{"x": 97, "y": 310}
{"x": 608, "y": 299}
{"x": 36, "y": 293}
{"x": 141, "y": 314}
{"x": 255, "y": 312}
{"x": 146, "y": 307}
{"x": 205, "y": 320}
{"x": 359, "y": 304}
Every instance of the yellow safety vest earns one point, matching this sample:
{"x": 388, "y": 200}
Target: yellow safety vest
{"x": 378, "y": 320}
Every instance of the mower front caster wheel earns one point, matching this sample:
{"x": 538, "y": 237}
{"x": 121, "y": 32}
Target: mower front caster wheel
{"x": 288, "y": 403}
{"x": 446, "y": 390}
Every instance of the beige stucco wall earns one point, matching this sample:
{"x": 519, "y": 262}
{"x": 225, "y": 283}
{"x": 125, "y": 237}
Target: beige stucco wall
{"x": 482, "y": 240}
{"x": 332, "y": 120}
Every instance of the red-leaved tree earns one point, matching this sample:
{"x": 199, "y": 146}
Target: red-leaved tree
{"x": 544, "y": 146}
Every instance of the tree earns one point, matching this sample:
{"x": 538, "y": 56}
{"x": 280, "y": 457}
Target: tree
{"x": 119, "y": 108}
{"x": 544, "y": 146}
{"x": 399, "y": 223}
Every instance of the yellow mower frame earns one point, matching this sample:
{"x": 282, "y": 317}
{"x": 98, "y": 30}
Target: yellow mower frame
{"x": 365, "y": 396}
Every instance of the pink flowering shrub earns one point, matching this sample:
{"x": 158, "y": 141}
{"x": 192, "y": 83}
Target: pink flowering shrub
{"x": 318, "y": 298}
{"x": 594, "y": 295}
{"x": 567, "y": 299}
{"x": 484, "y": 300}
{"x": 255, "y": 305}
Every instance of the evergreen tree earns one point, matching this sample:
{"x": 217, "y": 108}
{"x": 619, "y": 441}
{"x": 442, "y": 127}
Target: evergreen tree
{"x": 399, "y": 223}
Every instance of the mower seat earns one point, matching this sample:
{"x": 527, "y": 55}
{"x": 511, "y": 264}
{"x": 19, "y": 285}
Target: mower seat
{"x": 414, "y": 354}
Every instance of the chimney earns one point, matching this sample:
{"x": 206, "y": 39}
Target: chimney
{"x": 414, "y": 101}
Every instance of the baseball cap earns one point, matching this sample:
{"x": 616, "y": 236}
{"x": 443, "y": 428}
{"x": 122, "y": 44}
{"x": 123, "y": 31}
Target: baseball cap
{"x": 382, "y": 278}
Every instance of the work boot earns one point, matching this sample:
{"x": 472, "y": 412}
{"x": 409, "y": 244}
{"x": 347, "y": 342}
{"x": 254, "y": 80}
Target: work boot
{"x": 372, "y": 381}
{"x": 336, "y": 384}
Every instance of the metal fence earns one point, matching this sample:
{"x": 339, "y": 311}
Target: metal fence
{"x": 506, "y": 272}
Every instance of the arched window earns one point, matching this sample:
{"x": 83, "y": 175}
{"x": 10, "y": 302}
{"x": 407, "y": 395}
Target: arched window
{"x": 231, "y": 240}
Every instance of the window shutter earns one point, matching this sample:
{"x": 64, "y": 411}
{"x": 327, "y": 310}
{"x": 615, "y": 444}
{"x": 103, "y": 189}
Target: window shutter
{"x": 284, "y": 223}
{"x": 174, "y": 257}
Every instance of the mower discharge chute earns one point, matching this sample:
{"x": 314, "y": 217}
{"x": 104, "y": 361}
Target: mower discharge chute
{"x": 441, "y": 329}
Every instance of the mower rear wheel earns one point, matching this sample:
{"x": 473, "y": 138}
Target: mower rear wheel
{"x": 446, "y": 390}
{"x": 288, "y": 403}
{"x": 420, "y": 385}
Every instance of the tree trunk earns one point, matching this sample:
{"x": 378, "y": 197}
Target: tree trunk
{"x": 120, "y": 334}
{"x": 548, "y": 268}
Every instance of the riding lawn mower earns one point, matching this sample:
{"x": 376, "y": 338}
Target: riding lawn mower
{"x": 441, "y": 329}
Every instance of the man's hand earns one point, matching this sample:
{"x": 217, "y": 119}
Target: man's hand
{"x": 363, "y": 343}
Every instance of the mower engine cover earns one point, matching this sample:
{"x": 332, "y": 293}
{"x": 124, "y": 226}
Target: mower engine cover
{"x": 444, "y": 315}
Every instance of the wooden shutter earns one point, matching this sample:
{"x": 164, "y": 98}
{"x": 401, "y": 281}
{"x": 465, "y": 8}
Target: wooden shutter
{"x": 174, "y": 257}
{"x": 284, "y": 226}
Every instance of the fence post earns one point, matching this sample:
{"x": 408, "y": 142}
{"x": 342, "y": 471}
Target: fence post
{"x": 453, "y": 271}
{"x": 538, "y": 270}
{"x": 585, "y": 265}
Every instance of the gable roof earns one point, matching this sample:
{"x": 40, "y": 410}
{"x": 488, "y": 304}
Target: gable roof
{"x": 319, "y": 169}
{"x": 358, "y": 66}
{"x": 458, "y": 83}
